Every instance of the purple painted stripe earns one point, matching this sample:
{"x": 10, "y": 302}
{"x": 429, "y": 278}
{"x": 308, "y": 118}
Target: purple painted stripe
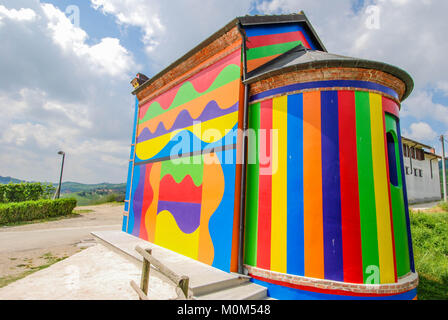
{"x": 184, "y": 119}
{"x": 186, "y": 214}
{"x": 138, "y": 201}
{"x": 326, "y": 84}
{"x": 331, "y": 188}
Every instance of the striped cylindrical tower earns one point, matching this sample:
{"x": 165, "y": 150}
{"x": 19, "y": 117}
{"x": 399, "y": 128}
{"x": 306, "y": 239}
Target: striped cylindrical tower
{"x": 326, "y": 209}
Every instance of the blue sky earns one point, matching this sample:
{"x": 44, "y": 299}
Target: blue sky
{"x": 65, "y": 86}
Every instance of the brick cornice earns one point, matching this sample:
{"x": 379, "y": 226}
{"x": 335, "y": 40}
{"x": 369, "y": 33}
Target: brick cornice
{"x": 219, "y": 48}
{"x": 404, "y": 284}
{"x": 323, "y": 74}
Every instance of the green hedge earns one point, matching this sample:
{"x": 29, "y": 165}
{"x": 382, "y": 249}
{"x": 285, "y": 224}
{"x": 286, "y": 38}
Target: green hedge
{"x": 27, "y": 191}
{"x": 33, "y": 210}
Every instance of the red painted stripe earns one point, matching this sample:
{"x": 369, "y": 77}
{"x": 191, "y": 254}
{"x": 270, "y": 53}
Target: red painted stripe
{"x": 148, "y": 195}
{"x": 388, "y": 190}
{"x": 265, "y": 187}
{"x": 326, "y": 291}
{"x": 350, "y": 218}
{"x": 391, "y": 106}
{"x": 184, "y": 191}
{"x": 270, "y": 39}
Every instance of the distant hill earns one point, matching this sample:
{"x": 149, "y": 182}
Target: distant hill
{"x": 6, "y": 180}
{"x": 73, "y": 187}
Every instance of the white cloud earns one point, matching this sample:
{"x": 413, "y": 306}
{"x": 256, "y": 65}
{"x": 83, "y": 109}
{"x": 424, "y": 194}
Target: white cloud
{"x": 142, "y": 14}
{"x": 24, "y": 14}
{"x": 420, "y": 131}
{"x": 421, "y": 106}
{"x": 107, "y": 57}
{"x": 171, "y": 28}
{"x": 57, "y": 91}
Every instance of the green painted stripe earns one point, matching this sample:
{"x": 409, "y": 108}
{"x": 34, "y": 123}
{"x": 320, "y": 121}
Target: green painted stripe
{"x": 179, "y": 168}
{"x": 398, "y": 211}
{"x": 250, "y": 253}
{"x": 271, "y": 50}
{"x": 187, "y": 92}
{"x": 367, "y": 208}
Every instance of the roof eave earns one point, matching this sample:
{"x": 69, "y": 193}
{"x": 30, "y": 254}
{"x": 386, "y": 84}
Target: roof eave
{"x": 335, "y": 63}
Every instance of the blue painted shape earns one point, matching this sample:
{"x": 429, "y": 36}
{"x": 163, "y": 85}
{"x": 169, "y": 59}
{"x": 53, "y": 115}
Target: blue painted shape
{"x": 331, "y": 187}
{"x": 286, "y": 293}
{"x": 406, "y": 204}
{"x": 295, "y": 224}
{"x": 186, "y": 142}
{"x": 221, "y": 222}
{"x": 125, "y": 220}
{"x": 131, "y": 156}
{"x": 353, "y": 84}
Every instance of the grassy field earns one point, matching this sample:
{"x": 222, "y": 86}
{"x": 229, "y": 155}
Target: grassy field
{"x": 94, "y": 198}
{"x": 430, "y": 241}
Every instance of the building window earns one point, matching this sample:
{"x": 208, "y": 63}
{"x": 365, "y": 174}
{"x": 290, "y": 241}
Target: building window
{"x": 420, "y": 155}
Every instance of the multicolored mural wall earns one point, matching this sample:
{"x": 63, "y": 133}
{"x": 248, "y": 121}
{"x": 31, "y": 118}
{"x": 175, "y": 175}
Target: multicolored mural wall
{"x": 326, "y": 211}
{"x": 182, "y": 194}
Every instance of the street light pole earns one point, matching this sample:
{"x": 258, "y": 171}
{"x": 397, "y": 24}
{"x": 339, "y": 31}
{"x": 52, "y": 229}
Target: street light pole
{"x": 60, "y": 177}
{"x": 443, "y": 167}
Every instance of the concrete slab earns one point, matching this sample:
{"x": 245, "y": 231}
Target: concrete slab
{"x": 96, "y": 273}
{"x": 203, "y": 278}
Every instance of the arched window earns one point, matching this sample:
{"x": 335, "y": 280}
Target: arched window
{"x": 391, "y": 155}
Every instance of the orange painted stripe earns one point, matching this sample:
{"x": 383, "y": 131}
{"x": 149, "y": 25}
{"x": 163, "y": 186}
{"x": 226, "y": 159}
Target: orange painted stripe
{"x": 255, "y": 63}
{"x": 312, "y": 181}
{"x": 151, "y": 214}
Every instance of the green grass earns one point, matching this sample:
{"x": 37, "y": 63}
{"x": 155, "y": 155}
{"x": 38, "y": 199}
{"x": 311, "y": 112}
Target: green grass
{"x": 93, "y": 198}
{"x": 430, "y": 241}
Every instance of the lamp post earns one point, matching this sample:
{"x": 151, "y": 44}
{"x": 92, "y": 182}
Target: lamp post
{"x": 62, "y": 170}
{"x": 442, "y": 139}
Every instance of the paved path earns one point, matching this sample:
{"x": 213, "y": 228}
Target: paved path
{"x": 423, "y": 206}
{"x": 61, "y": 232}
{"x": 25, "y": 247}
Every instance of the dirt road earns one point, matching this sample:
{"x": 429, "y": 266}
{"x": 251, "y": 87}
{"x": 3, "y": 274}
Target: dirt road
{"x": 29, "y": 247}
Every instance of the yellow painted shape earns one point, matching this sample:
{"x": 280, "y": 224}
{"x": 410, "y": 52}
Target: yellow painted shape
{"x": 151, "y": 215}
{"x": 226, "y": 96}
{"x": 168, "y": 235}
{"x": 212, "y": 193}
{"x": 279, "y": 192}
{"x": 149, "y": 148}
{"x": 381, "y": 183}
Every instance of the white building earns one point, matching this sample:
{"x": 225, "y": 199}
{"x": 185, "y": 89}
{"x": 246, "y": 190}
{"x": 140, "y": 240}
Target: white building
{"x": 422, "y": 171}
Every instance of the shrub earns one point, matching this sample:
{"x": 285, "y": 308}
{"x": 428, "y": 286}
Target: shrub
{"x": 27, "y": 191}
{"x": 33, "y": 210}
{"x": 443, "y": 205}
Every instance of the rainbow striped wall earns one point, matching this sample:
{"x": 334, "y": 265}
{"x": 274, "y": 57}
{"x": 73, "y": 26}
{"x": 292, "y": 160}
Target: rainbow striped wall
{"x": 319, "y": 201}
{"x": 267, "y": 42}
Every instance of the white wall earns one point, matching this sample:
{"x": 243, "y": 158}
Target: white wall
{"x": 423, "y": 188}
